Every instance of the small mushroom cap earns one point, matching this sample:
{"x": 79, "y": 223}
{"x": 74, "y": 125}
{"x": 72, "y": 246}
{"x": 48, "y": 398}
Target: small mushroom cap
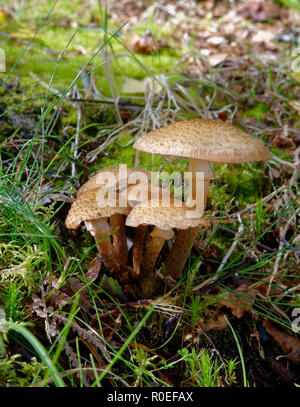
{"x": 204, "y": 139}
{"x": 93, "y": 205}
{"x": 143, "y": 192}
{"x": 95, "y": 181}
{"x": 154, "y": 213}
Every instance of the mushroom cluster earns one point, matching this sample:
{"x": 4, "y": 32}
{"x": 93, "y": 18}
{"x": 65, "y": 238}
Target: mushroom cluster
{"x": 154, "y": 215}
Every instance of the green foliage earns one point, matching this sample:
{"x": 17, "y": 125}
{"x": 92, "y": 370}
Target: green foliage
{"x": 14, "y": 372}
{"x": 258, "y": 111}
{"x": 19, "y": 264}
{"x": 294, "y": 4}
{"x": 202, "y": 370}
{"x": 284, "y": 155}
{"x": 198, "y": 306}
{"x": 11, "y": 297}
{"x": 230, "y": 366}
{"x": 144, "y": 363}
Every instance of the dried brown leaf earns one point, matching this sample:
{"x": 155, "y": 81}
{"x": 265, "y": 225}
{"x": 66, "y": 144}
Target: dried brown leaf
{"x": 289, "y": 344}
{"x": 94, "y": 269}
{"x": 145, "y": 44}
{"x": 236, "y": 301}
{"x": 260, "y": 10}
{"x": 215, "y": 321}
{"x": 84, "y": 294}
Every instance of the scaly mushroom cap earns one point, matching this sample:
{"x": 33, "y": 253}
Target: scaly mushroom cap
{"x": 204, "y": 139}
{"x": 93, "y": 182}
{"x": 144, "y": 192}
{"x": 153, "y": 213}
{"x": 91, "y": 205}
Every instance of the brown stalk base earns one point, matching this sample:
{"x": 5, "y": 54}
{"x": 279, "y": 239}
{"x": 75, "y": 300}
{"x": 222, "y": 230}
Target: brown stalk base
{"x": 179, "y": 253}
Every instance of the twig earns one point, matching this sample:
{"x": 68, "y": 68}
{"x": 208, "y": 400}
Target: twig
{"x": 121, "y": 103}
{"x": 283, "y": 162}
{"x": 265, "y": 247}
{"x": 226, "y": 229}
{"x": 247, "y": 262}
{"x": 280, "y": 252}
{"x": 232, "y": 247}
{"x": 290, "y": 247}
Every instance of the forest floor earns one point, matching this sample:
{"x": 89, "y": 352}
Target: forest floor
{"x": 133, "y": 67}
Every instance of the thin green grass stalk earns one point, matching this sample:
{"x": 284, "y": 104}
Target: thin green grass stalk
{"x": 94, "y": 368}
{"x": 253, "y": 243}
{"x": 29, "y": 44}
{"x": 240, "y": 353}
{"x": 129, "y": 364}
{"x": 123, "y": 347}
{"x": 39, "y": 348}
{"x": 19, "y": 212}
{"x": 68, "y": 376}
{"x": 79, "y": 361}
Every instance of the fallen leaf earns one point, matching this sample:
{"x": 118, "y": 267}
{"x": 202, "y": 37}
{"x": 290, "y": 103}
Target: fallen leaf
{"x": 216, "y": 59}
{"x": 94, "y": 269}
{"x": 215, "y": 40}
{"x": 236, "y": 302}
{"x": 259, "y": 10}
{"x": 3, "y": 17}
{"x": 215, "y": 320}
{"x": 144, "y": 44}
{"x": 84, "y": 293}
{"x": 133, "y": 86}
{"x": 265, "y": 37}
{"x": 289, "y": 344}
{"x": 112, "y": 287}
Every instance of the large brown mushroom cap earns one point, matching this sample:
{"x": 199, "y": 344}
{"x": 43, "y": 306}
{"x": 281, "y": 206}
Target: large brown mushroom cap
{"x": 204, "y": 139}
{"x": 92, "y": 206}
{"x": 154, "y": 213}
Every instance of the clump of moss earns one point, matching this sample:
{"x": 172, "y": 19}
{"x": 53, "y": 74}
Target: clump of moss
{"x": 246, "y": 183}
{"x": 14, "y": 372}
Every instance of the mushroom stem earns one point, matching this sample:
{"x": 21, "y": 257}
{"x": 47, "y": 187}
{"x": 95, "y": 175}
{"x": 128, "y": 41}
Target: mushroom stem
{"x": 180, "y": 251}
{"x": 100, "y": 229}
{"x": 138, "y": 246}
{"x": 204, "y": 167}
{"x": 119, "y": 238}
{"x": 148, "y": 281}
{"x": 159, "y": 236}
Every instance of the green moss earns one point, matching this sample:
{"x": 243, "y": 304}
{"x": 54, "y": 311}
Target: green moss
{"x": 245, "y": 182}
{"x": 14, "y": 372}
{"x": 258, "y": 111}
{"x": 281, "y": 154}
